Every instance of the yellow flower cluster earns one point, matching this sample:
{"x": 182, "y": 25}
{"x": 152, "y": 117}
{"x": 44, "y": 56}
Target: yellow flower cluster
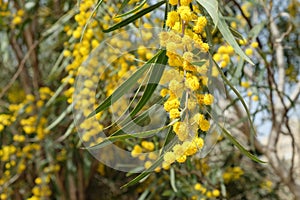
{"x": 80, "y": 50}
{"x": 42, "y": 190}
{"x": 17, "y": 18}
{"x": 4, "y": 11}
{"x": 180, "y": 152}
{"x": 203, "y": 190}
{"x": 223, "y": 55}
{"x": 200, "y": 24}
{"x": 145, "y": 152}
{"x": 232, "y": 174}
{"x": 267, "y": 185}
{"x": 187, "y": 81}
{"x": 5, "y": 120}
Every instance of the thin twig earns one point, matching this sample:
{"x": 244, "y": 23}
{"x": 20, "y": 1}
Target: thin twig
{"x": 20, "y": 68}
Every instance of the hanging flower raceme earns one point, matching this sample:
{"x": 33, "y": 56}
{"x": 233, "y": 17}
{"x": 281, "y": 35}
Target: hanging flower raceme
{"x": 186, "y": 92}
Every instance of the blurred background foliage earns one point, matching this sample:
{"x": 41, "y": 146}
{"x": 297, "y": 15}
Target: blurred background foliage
{"x": 43, "y": 45}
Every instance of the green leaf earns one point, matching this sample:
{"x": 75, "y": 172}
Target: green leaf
{"x": 134, "y": 17}
{"x": 199, "y": 63}
{"x": 239, "y": 146}
{"x": 236, "y": 34}
{"x": 115, "y": 138}
{"x": 238, "y": 73}
{"x": 256, "y": 30}
{"x": 155, "y": 76}
{"x": 237, "y": 94}
{"x": 172, "y": 179}
{"x": 144, "y": 195}
{"x": 132, "y": 11}
{"x": 128, "y": 123}
{"x": 60, "y": 117}
{"x": 122, "y": 89}
{"x": 168, "y": 139}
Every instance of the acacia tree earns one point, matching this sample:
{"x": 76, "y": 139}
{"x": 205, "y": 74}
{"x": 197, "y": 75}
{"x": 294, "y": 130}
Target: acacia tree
{"x": 180, "y": 92}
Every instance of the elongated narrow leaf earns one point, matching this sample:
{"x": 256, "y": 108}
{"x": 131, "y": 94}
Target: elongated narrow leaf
{"x": 236, "y": 34}
{"x": 239, "y": 146}
{"x": 168, "y": 139}
{"x": 235, "y": 142}
{"x": 120, "y": 91}
{"x": 238, "y": 95}
{"x": 254, "y": 32}
{"x": 155, "y": 76}
{"x": 144, "y": 195}
{"x": 172, "y": 179}
{"x": 112, "y": 139}
{"x": 134, "y": 17}
{"x": 130, "y": 124}
{"x": 199, "y": 63}
{"x": 133, "y": 10}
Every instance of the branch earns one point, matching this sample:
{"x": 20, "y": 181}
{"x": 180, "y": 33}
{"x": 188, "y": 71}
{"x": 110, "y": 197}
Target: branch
{"x": 20, "y": 68}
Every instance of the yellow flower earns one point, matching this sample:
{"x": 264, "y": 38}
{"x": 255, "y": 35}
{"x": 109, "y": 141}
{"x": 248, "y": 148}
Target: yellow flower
{"x": 254, "y": 44}
{"x": 178, "y": 150}
{"x": 17, "y": 20}
{"x": 255, "y": 98}
{"x": 249, "y": 93}
{"x": 164, "y": 92}
{"x": 217, "y": 57}
{"x": 192, "y": 83}
{"x": 169, "y": 158}
{"x": 185, "y": 2}
{"x": 185, "y": 13}
{"x": 188, "y": 56}
{"x": 245, "y": 84}
{"x": 147, "y": 164}
{"x": 174, "y": 85}
{"x": 181, "y": 130}
{"x": 249, "y": 51}
{"x": 152, "y": 156}
{"x": 204, "y": 125}
{"x": 163, "y": 38}
{"x": 216, "y": 192}
{"x": 171, "y": 47}
{"x": 202, "y": 122}
{"x": 199, "y": 142}
{"x": 136, "y": 151}
{"x": 165, "y": 166}
{"x": 181, "y": 159}
{"x": 171, "y": 104}
{"x": 209, "y": 194}
{"x": 172, "y": 18}
{"x": 204, "y": 47}
{"x": 174, "y": 113}
{"x": 190, "y": 148}
{"x": 197, "y": 186}
{"x": 200, "y": 24}
{"x": 38, "y": 180}
{"x": 208, "y": 99}
{"x": 148, "y": 145}
{"x": 173, "y": 2}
